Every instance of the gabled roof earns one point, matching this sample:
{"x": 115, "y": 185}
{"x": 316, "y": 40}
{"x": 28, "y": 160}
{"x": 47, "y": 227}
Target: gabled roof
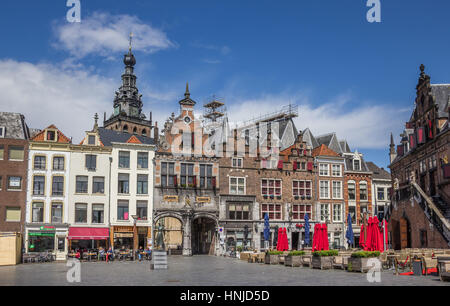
{"x": 378, "y": 173}
{"x": 15, "y": 126}
{"x": 349, "y": 164}
{"x": 344, "y": 146}
{"x": 323, "y": 150}
{"x": 309, "y": 138}
{"x": 40, "y": 137}
{"x": 331, "y": 141}
{"x": 133, "y": 139}
{"x": 107, "y": 137}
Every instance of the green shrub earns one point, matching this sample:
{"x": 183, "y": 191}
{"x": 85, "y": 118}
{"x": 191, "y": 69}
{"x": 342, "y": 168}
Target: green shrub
{"x": 274, "y": 252}
{"x": 365, "y": 254}
{"x": 239, "y": 248}
{"x": 325, "y": 253}
{"x": 296, "y": 253}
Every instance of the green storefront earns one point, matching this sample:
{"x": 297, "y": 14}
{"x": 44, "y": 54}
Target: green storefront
{"x": 42, "y": 240}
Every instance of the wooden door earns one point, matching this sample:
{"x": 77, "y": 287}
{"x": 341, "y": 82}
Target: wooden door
{"x": 403, "y": 233}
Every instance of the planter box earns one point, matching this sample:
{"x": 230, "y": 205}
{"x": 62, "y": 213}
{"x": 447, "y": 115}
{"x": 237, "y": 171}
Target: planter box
{"x": 306, "y": 260}
{"x": 322, "y": 262}
{"x": 293, "y": 261}
{"x": 359, "y": 264}
{"x": 272, "y": 259}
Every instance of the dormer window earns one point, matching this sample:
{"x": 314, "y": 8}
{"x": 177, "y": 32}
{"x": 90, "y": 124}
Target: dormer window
{"x": 91, "y": 140}
{"x": 356, "y": 165}
{"x": 50, "y": 135}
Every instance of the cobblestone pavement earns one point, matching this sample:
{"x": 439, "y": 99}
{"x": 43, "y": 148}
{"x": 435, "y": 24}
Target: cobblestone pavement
{"x": 198, "y": 271}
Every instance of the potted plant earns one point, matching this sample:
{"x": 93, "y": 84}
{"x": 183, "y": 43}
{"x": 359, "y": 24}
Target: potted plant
{"x": 238, "y": 251}
{"x": 359, "y": 261}
{"x": 323, "y": 259}
{"x": 297, "y": 197}
{"x": 272, "y": 257}
{"x": 272, "y": 196}
{"x": 266, "y": 196}
{"x": 294, "y": 259}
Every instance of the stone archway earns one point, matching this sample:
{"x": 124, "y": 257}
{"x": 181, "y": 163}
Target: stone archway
{"x": 204, "y": 234}
{"x": 174, "y": 232}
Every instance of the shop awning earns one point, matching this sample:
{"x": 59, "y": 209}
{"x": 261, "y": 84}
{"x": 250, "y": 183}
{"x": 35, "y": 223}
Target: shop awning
{"x": 88, "y": 233}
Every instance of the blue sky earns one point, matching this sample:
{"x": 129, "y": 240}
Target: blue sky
{"x": 348, "y": 75}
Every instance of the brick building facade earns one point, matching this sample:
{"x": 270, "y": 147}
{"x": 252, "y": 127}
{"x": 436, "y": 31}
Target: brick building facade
{"x": 14, "y": 136}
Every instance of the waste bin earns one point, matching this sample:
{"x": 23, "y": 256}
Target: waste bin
{"x": 417, "y": 267}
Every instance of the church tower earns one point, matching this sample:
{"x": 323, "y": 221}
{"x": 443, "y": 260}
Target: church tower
{"x": 392, "y": 152}
{"x": 127, "y": 116}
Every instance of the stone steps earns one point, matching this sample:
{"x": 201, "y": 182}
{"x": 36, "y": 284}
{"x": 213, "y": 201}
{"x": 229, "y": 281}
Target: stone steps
{"x": 159, "y": 260}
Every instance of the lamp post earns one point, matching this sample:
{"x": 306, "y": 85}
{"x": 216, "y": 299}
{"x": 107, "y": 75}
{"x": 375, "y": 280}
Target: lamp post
{"x": 135, "y": 236}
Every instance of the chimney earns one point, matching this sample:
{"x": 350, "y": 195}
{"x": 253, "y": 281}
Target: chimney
{"x": 104, "y": 118}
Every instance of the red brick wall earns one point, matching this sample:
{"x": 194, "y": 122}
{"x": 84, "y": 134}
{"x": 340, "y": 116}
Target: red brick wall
{"x": 12, "y": 198}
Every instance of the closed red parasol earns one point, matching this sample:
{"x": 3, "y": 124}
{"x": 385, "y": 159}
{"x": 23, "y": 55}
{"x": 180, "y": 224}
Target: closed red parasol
{"x": 325, "y": 243}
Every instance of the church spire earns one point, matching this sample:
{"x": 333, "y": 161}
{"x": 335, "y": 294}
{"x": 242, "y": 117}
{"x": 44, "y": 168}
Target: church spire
{"x": 392, "y": 152}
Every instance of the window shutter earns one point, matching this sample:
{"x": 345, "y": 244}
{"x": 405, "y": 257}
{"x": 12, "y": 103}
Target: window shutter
{"x": 412, "y": 140}
{"x": 310, "y": 166}
{"x": 421, "y": 135}
{"x": 214, "y": 182}
{"x": 175, "y": 181}
{"x": 280, "y": 165}
{"x": 294, "y": 165}
{"x": 400, "y": 150}
{"x": 195, "y": 181}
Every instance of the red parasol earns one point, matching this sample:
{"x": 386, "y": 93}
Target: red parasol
{"x": 368, "y": 242}
{"x": 316, "y": 238}
{"x": 279, "y": 240}
{"x": 326, "y": 245}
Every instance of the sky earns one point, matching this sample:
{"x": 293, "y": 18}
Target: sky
{"x": 347, "y": 75}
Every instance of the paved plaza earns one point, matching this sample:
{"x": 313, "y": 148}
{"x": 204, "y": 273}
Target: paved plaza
{"x": 197, "y": 271}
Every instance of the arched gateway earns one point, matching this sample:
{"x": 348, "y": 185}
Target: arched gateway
{"x": 188, "y": 233}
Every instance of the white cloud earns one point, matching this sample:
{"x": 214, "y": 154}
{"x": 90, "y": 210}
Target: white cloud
{"x": 65, "y": 95}
{"x": 224, "y": 50}
{"x": 364, "y": 126}
{"x": 103, "y": 34}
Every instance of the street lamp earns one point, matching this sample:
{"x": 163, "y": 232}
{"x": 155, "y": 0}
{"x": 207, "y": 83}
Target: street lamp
{"x": 135, "y": 217}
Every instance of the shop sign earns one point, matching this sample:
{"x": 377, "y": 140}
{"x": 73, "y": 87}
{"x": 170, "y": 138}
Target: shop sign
{"x": 123, "y": 235}
{"x": 41, "y": 234}
{"x": 170, "y": 198}
{"x": 203, "y": 199}
{"x": 48, "y": 228}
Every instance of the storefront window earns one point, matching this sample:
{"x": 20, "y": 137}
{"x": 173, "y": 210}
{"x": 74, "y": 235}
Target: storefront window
{"x": 41, "y": 243}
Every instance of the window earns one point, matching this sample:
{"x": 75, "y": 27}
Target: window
{"x": 356, "y": 165}
{"x": 206, "y": 176}
{"x": 187, "y": 175}
{"x": 2, "y": 132}
{"x": 124, "y": 183}
{"x": 124, "y": 160}
{"x": 58, "y": 163}
{"x": 14, "y": 183}
{"x": 274, "y": 211}
{"x": 380, "y": 194}
{"x": 38, "y": 185}
{"x": 57, "y": 213}
{"x": 351, "y": 190}
{"x": 1, "y": 182}
{"x": 37, "y": 212}
{"x": 352, "y": 212}
{"x": 270, "y": 187}
{"x": 337, "y": 190}
{"x": 58, "y": 186}
{"x": 323, "y": 170}
{"x": 98, "y": 213}
{"x": 324, "y": 212}
{"x": 142, "y": 184}
{"x": 91, "y": 162}
{"x": 91, "y": 140}
{"x": 363, "y": 191}
{"x": 2, "y": 152}
{"x": 141, "y": 210}
{"x": 363, "y": 209}
{"x": 82, "y": 184}
{"x": 122, "y": 210}
{"x": 80, "y": 213}
{"x": 299, "y": 211}
{"x": 98, "y": 185}
{"x": 39, "y": 162}
{"x": 168, "y": 174}
{"x": 237, "y": 162}
{"x": 324, "y": 189}
{"x": 301, "y": 188}
{"x": 51, "y": 135}
{"x": 239, "y": 211}
{"x": 237, "y": 185}
{"x": 337, "y": 212}
{"x": 12, "y": 214}
{"x": 16, "y": 153}
{"x": 336, "y": 170}
{"x": 142, "y": 160}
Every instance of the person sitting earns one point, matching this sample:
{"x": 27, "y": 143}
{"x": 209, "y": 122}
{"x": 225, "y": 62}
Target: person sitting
{"x": 139, "y": 253}
{"x": 148, "y": 252}
{"x": 101, "y": 252}
{"x": 110, "y": 254}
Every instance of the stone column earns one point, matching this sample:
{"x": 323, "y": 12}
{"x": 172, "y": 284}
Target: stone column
{"x": 187, "y": 243}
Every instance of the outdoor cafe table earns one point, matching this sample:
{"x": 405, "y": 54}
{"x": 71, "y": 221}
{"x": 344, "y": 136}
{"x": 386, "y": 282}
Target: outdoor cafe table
{"x": 90, "y": 255}
{"x": 124, "y": 255}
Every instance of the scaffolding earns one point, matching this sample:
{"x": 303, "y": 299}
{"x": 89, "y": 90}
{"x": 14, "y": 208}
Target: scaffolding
{"x": 286, "y": 112}
{"x": 214, "y": 109}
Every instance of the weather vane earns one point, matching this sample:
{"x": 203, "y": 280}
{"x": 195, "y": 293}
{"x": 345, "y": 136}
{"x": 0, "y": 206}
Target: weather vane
{"x": 131, "y": 39}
